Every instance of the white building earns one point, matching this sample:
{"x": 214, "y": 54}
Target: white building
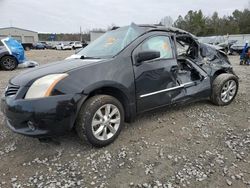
{"x": 21, "y": 35}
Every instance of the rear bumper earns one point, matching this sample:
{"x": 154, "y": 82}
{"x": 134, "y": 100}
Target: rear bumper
{"x": 41, "y": 117}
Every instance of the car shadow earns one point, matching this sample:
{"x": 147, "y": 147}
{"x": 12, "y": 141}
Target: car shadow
{"x": 72, "y": 139}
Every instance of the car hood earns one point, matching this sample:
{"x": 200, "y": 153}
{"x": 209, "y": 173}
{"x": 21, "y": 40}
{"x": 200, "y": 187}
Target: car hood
{"x": 26, "y": 78}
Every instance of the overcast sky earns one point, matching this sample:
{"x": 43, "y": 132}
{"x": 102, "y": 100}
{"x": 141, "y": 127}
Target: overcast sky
{"x": 68, "y": 15}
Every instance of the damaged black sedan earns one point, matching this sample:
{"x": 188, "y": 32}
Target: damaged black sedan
{"x": 127, "y": 71}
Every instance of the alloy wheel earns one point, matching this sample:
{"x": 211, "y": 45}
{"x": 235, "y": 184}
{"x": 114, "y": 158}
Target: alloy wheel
{"x": 9, "y": 63}
{"x": 228, "y": 91}
{"x": 106, "y": 122}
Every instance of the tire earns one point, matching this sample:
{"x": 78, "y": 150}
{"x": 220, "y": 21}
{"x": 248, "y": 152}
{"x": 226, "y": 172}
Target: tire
{"x": 8, "y": 63}
{"x": 224, "y": 89}
{"x": 89, "y": 113}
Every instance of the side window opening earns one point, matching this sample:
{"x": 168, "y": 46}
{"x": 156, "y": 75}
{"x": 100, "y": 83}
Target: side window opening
{"x": 187, "y": 49}
{"x": 161, "y": 44}
{"x": 186, "y": 46}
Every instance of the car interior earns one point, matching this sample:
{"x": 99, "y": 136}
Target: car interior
{"x": 187, "y": 52}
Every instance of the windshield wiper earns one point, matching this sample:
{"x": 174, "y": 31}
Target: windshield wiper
{"x": 86, "y": 57}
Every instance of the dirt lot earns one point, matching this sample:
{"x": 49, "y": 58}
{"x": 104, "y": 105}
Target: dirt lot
{"x": 197, "y": 145}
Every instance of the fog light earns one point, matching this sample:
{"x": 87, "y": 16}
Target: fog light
{"x": 31, "y": 125}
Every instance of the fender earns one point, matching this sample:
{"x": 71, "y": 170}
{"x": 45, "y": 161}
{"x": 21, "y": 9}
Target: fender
{"x": 128, "y": 98}
{"x": 101, "y": 84}
{"x": 4, "y": 52}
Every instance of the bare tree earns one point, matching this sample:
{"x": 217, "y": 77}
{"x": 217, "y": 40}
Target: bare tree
{"x": 167, "y": 21}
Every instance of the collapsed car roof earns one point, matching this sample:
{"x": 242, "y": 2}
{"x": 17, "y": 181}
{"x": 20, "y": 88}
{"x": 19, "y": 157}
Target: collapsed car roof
{"x": 157, "y": 27}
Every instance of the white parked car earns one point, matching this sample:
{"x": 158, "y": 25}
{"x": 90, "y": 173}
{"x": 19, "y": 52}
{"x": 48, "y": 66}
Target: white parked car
{"x": 76, "y": 44}
{"x": 64, "y": 46}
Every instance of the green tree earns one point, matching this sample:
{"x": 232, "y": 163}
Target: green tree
{"x": 194, "y": 22}
{"x": 200, "y": 25}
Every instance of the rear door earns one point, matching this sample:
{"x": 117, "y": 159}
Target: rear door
{"x": 155, "y": 80}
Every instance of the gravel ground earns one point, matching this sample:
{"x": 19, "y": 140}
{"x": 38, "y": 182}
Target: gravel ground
{"x": 197, "y": 145}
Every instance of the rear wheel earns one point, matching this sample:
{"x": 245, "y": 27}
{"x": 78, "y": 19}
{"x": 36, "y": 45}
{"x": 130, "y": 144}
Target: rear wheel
{"x": 100, "y": 120}
{"x": 8, "y": 63}
{"x": 225, "y": 88}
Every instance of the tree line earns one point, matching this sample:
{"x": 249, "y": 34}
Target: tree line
{"x": 64, "y": 37}
{"x": 85, "y": 36}
{"x": 197, "y": 23}
{"x": 194, "y": 22}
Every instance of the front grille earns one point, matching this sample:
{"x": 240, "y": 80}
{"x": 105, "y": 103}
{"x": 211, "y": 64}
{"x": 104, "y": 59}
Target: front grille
{"x": 11, "y": 90}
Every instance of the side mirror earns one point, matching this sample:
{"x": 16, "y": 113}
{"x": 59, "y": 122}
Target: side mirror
{"x": 147, "y": 55}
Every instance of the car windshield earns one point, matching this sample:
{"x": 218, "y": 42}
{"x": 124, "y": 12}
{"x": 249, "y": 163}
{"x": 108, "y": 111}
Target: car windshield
{"x": 112, "y": 42}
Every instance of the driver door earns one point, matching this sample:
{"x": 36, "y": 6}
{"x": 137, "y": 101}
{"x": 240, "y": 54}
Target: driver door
{"x": 155, "y": 79}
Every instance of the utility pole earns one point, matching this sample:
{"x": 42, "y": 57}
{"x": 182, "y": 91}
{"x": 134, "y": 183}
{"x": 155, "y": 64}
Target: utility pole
{"x": 80, "y": 33}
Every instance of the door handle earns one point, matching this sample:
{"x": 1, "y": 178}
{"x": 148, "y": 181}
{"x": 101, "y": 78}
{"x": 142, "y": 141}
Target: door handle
{"x": 174, "y": 68}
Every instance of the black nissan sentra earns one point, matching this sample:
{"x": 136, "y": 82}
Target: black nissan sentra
{"x": 127, "y": 71}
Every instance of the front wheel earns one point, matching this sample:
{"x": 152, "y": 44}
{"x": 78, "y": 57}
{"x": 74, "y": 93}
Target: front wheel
{"x": 100, "y": 120}
{"x": 224, "y": 89}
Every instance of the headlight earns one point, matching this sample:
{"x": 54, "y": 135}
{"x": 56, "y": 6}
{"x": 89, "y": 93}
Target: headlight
{"x": 43, "y": 87}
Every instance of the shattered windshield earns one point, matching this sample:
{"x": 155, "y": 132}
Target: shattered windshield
{"x": 112, "y": 42}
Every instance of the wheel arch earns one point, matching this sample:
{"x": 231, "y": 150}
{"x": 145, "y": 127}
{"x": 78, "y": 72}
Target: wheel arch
{"x": 219, "y": 72}
{"x": 118, "y": 94}
{"x": 8, "y": 55}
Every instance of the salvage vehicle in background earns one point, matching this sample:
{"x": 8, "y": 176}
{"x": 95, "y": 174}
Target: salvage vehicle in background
{"x": 47, "y": 45}
{"x": 218, "y": 42}
{"x": 11, "y": 54}
{"x": 64, "y": 46}
{"x": 237, "y": 47}
{"x": 27, "y": 46}
{"x": 59, "y": 46}
{"x": 76, "y": 44}
{"x": 213, "y": 40}
{"x": 125, "y": 72}
{"x": 39, "y": 46}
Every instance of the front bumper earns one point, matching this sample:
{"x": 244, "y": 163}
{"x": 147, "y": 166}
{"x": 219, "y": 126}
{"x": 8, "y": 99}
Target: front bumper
{"x": 49, "y": 116}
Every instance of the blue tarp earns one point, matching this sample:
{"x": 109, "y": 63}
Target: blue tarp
{"x": 15, "y": 48}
